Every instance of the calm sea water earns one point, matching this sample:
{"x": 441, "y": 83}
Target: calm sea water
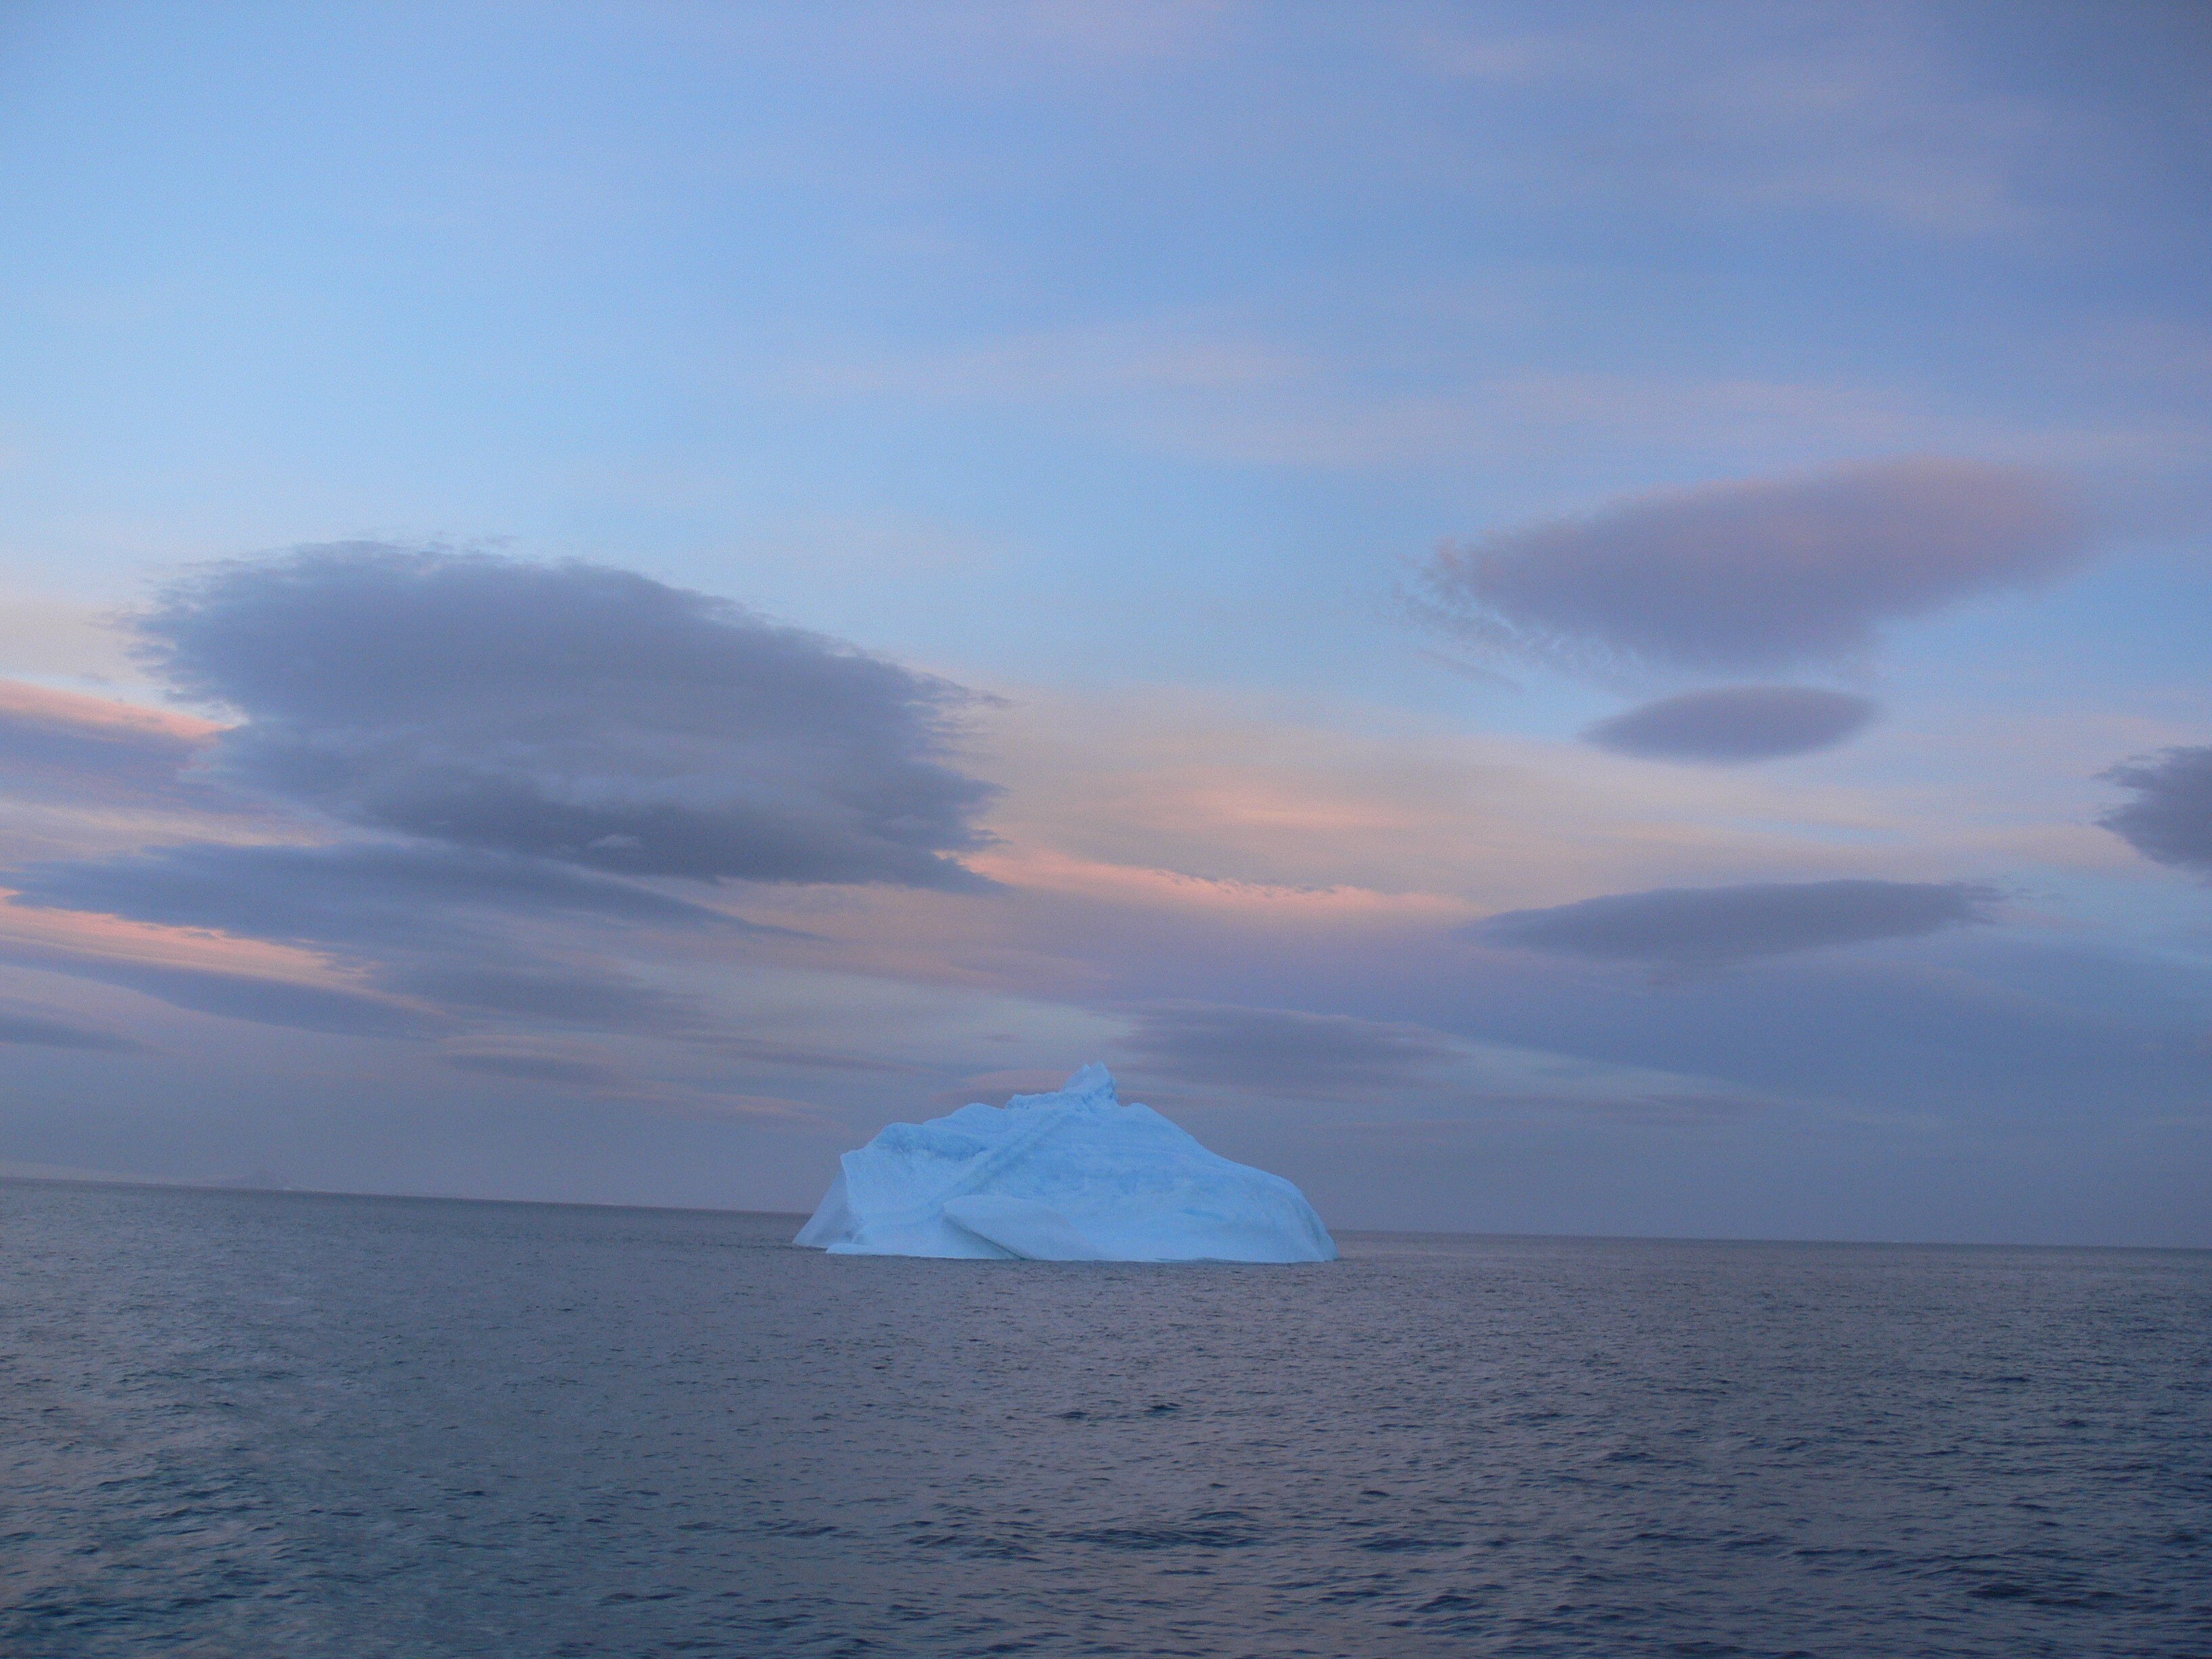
{"x": 240, "y": 1424}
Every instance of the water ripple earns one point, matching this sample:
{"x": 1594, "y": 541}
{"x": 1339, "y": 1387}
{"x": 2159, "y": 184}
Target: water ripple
{"x": 238, "y": 1425}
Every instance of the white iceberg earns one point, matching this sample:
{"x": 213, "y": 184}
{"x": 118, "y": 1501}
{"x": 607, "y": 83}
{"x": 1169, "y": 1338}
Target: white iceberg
{"x": 1070, "y": 1176}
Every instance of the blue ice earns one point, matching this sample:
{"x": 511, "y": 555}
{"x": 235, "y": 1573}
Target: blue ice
{"x": 1074, "y": 1176}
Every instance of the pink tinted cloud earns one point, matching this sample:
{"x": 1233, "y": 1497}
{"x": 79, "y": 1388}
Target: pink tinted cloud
{"x": 100, "y": 717}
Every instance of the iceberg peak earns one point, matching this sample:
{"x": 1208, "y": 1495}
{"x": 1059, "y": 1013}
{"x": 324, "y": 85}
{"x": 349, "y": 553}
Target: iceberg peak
{"x": 1071, "y": 1175}
{"x": 1092, "y": 1082}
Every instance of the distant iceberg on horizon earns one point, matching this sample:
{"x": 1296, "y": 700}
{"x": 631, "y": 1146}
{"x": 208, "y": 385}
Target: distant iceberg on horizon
{"x": 1074, "y": 1176}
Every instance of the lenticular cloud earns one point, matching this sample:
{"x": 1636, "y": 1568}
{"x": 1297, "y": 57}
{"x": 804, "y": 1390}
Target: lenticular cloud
{"x": 1732, "y": 724}
{"x": 571, "y": 712}
{"x": 1759, "y": 574}
{"x": 1695, "y": 926}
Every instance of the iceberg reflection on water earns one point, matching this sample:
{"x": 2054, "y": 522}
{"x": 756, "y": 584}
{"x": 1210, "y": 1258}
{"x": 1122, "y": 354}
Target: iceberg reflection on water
{"x": 1073, "y": 1175}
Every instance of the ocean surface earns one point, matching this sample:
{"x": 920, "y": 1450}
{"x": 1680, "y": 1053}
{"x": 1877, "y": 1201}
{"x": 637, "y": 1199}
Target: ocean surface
{"x": 244, "y": 1423}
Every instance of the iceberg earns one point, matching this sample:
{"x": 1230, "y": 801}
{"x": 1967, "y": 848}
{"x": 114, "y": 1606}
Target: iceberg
{"x": 1074, "y": 1176}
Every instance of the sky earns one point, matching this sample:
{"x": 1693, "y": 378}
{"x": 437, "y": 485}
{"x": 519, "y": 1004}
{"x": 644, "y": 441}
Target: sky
{"x": 1576, "y": 618}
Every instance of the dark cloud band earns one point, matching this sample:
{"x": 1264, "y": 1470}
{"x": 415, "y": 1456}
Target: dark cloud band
{"x": 1735, "y": 724}
{"x": 346, "y": 895}
{"x": 248, "y": 997}
{"x": 1693, "y": 926}
{"x": 35, "y": 1030}
{"x": 56, "y": 745}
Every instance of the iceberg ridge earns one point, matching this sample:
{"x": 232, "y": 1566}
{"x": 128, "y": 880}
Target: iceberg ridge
{"x": 1073, "y": 1175}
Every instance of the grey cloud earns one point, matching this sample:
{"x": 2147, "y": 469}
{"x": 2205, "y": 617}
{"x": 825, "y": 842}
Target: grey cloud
{"x": 1696, "y": 927}
{"x": 40, "y": 1032}
{"x": 270, "y": 1002}
{"x": 348, "y": 895}
{"x": 1734, "y": 724}
{"x": 423, "y": 921}
{"x": 243, "y": 996}
{"x": 57, "y": 746}
{"x": 1968, "y": 1019}
{"x": 570, "y": 712}
{"x": 2170, "y": 820}
{"x": 1757, "y": 574}
{"x": 577, "y": 995}
{"x": 780, "y": 1053}
{"x": 1280, "y": 1050}
{"x": 533, "y": 735}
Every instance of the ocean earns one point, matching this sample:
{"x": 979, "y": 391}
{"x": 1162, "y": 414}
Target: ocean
{"x": 240, "y": 1424}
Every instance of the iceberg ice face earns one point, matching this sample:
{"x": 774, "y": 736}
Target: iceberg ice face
{"x": 1070, "y": 1177}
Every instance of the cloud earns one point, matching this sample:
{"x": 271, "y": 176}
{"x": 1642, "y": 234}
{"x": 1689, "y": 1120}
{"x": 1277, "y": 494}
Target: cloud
{"x": 1847, "y": 114}
{"x": 591, "y": 995}
{"x": 1284, "y": 1051}
{"x": 1697, "y": 926}
{"x": 784, "y": 1054}
{"x": 1760, "y": 573}
{"x": 1227, "y": 389}
{"x": 443, "y": 924}
{"x": 251, "y": 997}
{"x": 346, "y": 895}
{"x": 62, "y": 746}
{"x": 517, "y": 741}
{"x": 40, "y": 1032}
{"x": 1645, "y": 1110}
{"x": 478, "y": 935}
{"x": 1734, "y": 724}
{"x": 1972, "y": 1019}
{"x": 570, "y": 712}
{"x": 2170, "y": 820}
